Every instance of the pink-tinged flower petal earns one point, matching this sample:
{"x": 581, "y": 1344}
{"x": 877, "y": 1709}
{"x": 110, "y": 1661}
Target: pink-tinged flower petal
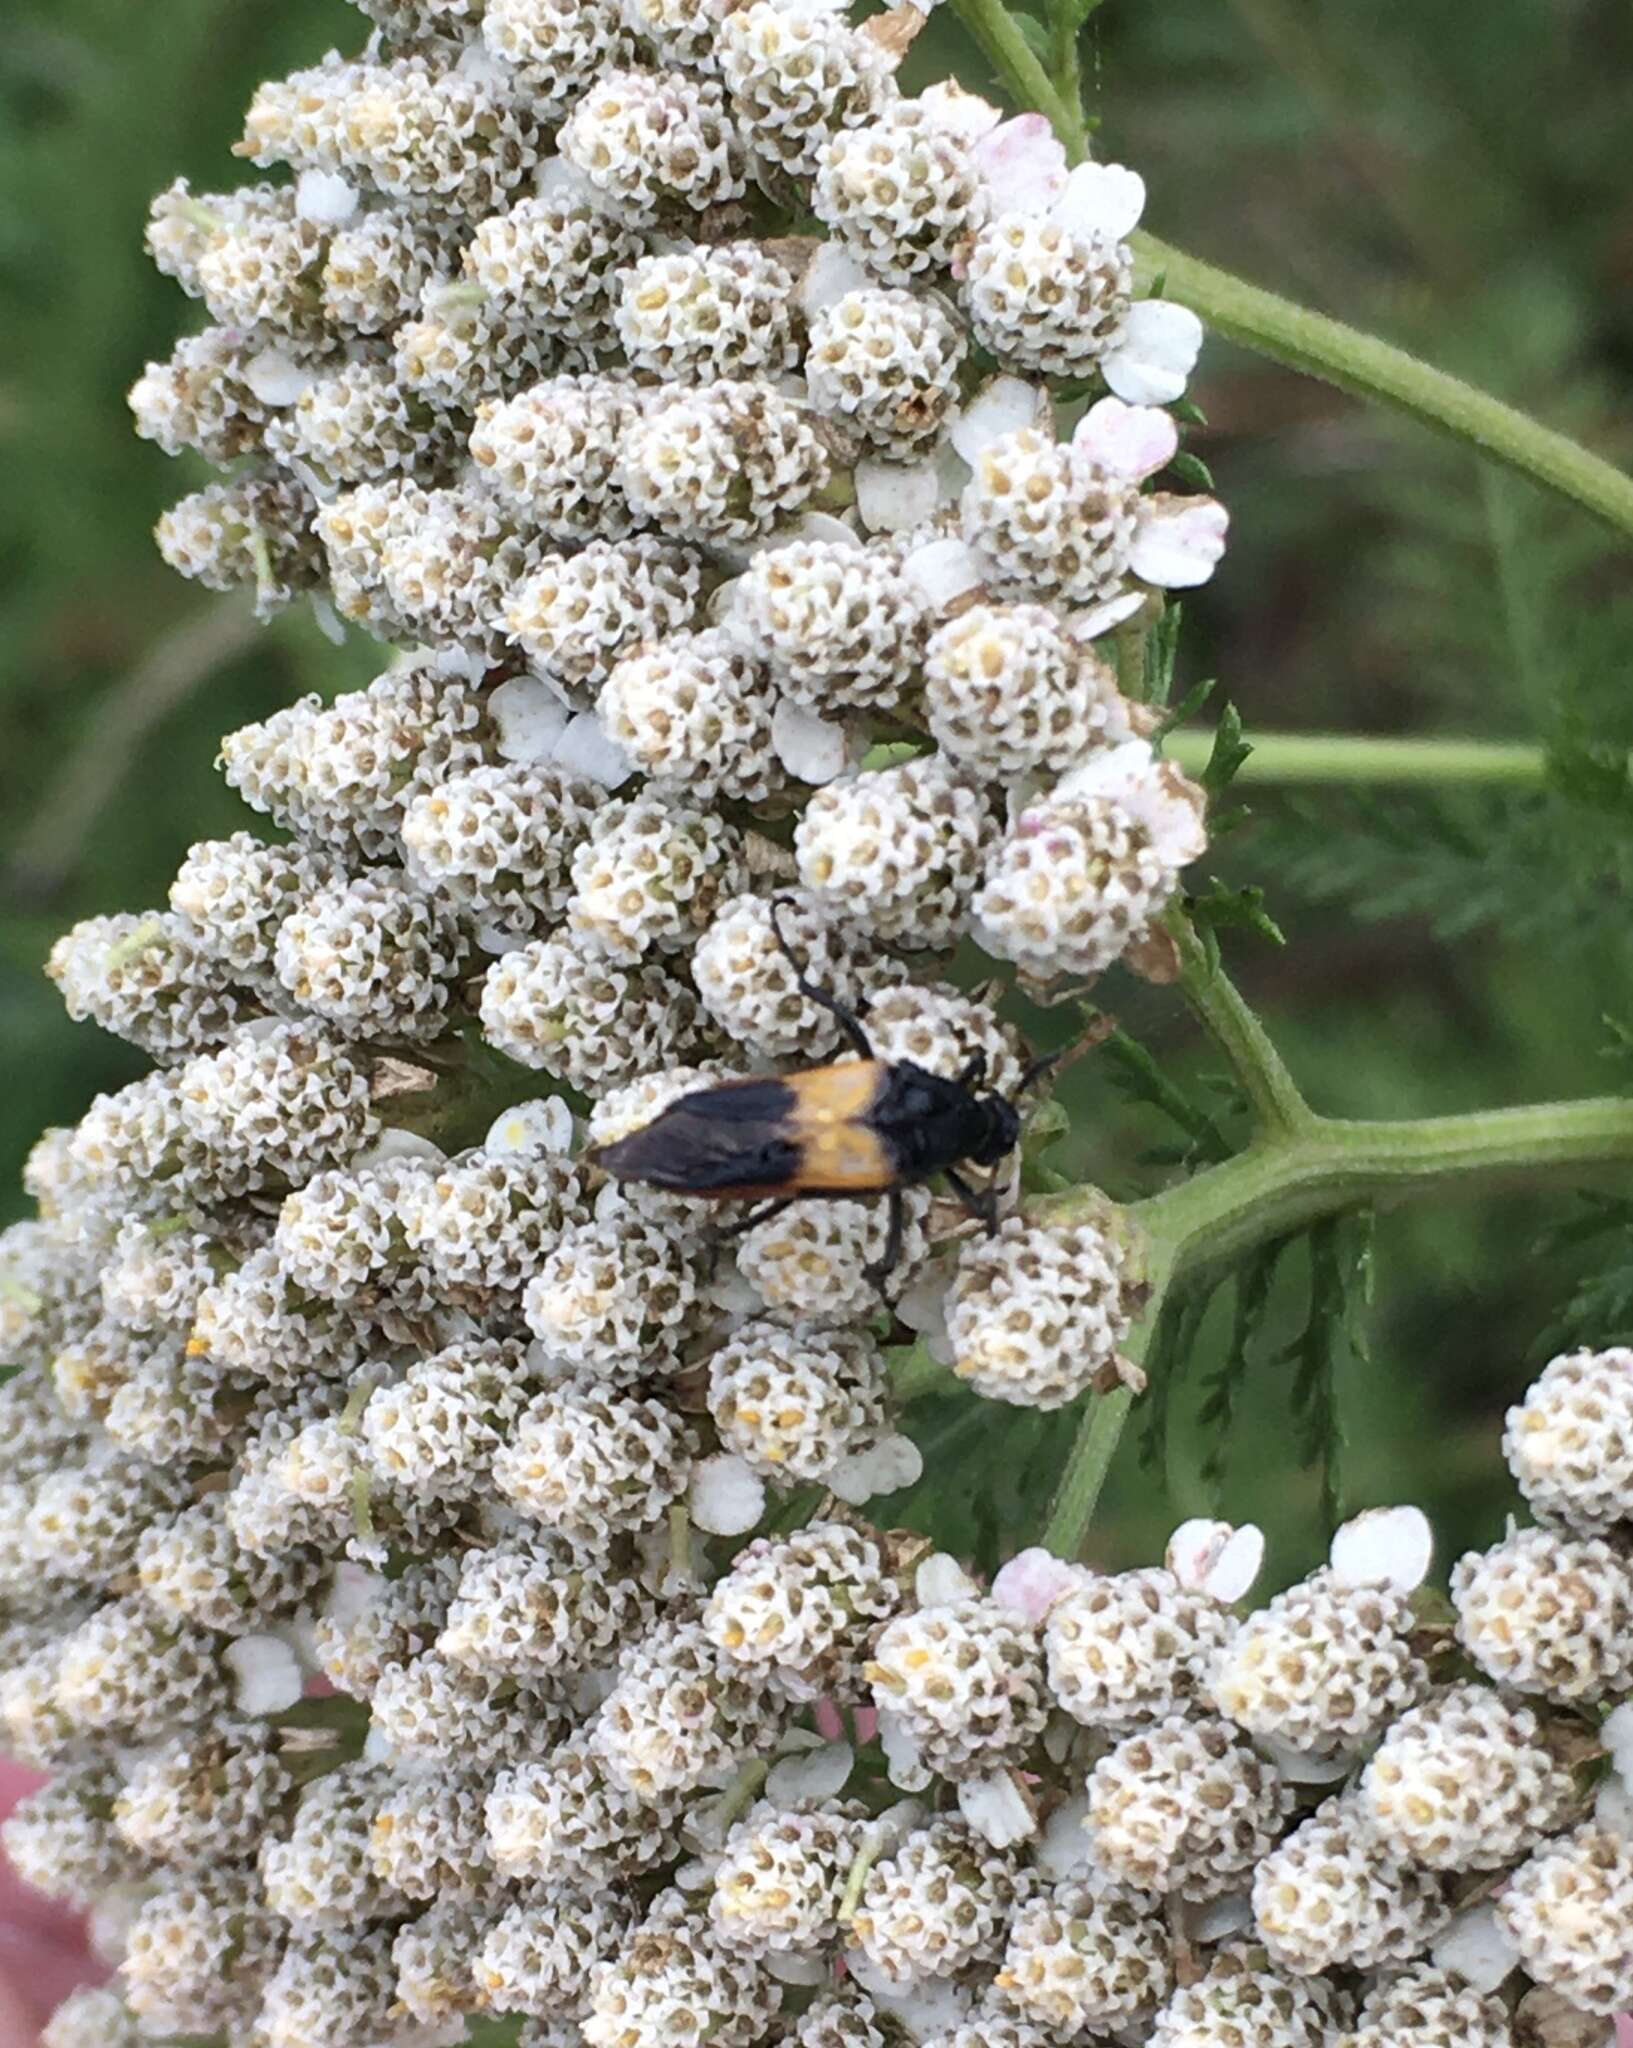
{"x": 1033, "y": 1581}
{"x": 1624, "y": 2030}
{"x": 1024, "y": 165}
{"x": 1216, "y": 1558}
{"x": 1155, "y": 353}
{"x": 1178, "y": 541}
{"x": 865, "y": 1722}
{"x": 830, "y": 1723}
{"x": 1130, "y": 440}
{"x": 1100, "y": 202}
{"x": 957, "y": 112}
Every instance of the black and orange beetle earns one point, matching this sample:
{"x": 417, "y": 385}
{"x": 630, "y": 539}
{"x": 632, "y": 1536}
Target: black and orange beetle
{"x": 865, "y": 1127}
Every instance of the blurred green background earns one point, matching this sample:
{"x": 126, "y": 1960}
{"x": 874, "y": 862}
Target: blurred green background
{"x": 1455, "y": 178}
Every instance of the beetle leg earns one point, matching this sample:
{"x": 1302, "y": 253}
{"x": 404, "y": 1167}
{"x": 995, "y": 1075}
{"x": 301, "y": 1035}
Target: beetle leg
{"x": 880, "y": 1271}
{"x": 848, "y": 1019}
{"x": 975, "y": 1069}
{"x": 718, "y": 1239}
{"x": 982, "y": 1203}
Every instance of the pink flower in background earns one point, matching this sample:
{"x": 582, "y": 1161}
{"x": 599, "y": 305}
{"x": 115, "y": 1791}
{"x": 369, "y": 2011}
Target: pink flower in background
{"x": 1624, "y": 2030}
{"x": 43, "y": 1950}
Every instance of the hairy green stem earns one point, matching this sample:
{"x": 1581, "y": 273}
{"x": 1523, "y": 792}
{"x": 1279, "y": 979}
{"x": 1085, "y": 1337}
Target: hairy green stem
{"x": 1324, "y": 757}
{"x": 1333, "y": 1164}
{"x": 1271, "y": 1091}
{"x": 1023, "y": 71}
{"x": 1322, "y": 1167}
{"x": 1375, "y": 369}
{"x": 1078, "y": 1494}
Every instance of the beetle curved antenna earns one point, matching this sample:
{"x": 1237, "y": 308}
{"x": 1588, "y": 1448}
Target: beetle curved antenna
{"x": 1039, "y": 1071}
{"x": 848, "y": 1019}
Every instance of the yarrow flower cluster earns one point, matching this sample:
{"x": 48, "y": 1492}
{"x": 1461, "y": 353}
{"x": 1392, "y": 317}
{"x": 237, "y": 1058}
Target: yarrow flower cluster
{"x": 750, "y": 640}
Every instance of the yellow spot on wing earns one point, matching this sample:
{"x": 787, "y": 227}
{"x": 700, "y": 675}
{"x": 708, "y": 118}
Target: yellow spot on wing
{"x": 837, "y": 1150}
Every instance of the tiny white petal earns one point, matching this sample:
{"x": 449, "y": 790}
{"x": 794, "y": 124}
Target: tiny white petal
{"x": 1384, "y": 1547}
{"x": 325, "y": 198}
{"x": 823, "y": 527}
{"x": 1129, "y": 440}
{"x": 1475, "y": 1948}
{"x": 353, "y": 1590}
{"x": 816, "y": 1774}
{"x": 1236, "y": 1568}
{"x": 1613, "y": 1805}
{"x": 727, "y": 1496}
{"x": 1153, "y": 357}
{"x": 1100, "y": 202}
{"x": 812, "y": 748}
{"x": 557, "y": 179}
{"x": 110, "y": 1918}
{"x": 1193, "y": 1549}
{"x": 1033, "y": 1581}
{"x": 395, "y": 1144}
{"x": 952, "y": 475}
{"x": 893, "y": 497}
{"x": 1023, "y": 162}
{"x": 935, "y": 2005}
{"x": 797, "y": 1969}
{"x": 1098, "y": 619}
{"x": 904, "y": 1765}
{"x": 957, "y": 112}
{"x": 328, "y": 621}
{"x": 886, "y": 1467}
{"x": 531, "y": 719}
{"x": 1066, "y": 1846}
{"x": 995, "y": 1808}
{"x": 1304, "y": 1767}
{"x": 830, "y": 275}
{"x": 268, "y": 1674}
{"x": 1616, "y": 1733}
{"x": 696, "y": 1874}
{"x": 941, "y": 1581}
{"x": 544, "y": 1125}
{"x": 945, "y": 570}
{"x": 277, "y": 379}
{"x": 1003, "y": 405}
{"x": 1178, "y": 541}
{"x": 922, "y": 1304}
{"x": 585, "y": 749}
{"x": 478, "y": 63}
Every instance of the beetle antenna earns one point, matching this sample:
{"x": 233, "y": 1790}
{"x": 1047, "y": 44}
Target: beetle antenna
{"x": 851, "y": 1023}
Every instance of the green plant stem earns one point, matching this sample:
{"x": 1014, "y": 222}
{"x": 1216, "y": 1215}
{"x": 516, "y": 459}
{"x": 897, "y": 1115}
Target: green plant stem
{"x": 1078, "y": 1494}
{"x": 1332, "y": 1164}
{"x": 1322, "y": 1167}
{"x": 1375, "y": 369}
{"x": 1270, "y": 1089}
{"x": 1312, "y": 757}
{"x": 1023, "y": 71}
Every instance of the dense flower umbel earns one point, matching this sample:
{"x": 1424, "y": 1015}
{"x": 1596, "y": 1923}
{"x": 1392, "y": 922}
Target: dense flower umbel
{"x": 727, "y": 596}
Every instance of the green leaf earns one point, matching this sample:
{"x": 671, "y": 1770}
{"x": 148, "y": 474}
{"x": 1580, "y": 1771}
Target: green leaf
{"x": 1218, "y": 1410}
{"x": 1162, "y": 651}
{"x": 892, "y": 753}
{"x": 1223, "y": 908}
{"x": 1185, "y": 710}
{"x": 1138, "y": 1077}
{"x": 1230, "y": 750}
{"x": 1191, "y": 469}
{"x": 1035, "y": 32}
